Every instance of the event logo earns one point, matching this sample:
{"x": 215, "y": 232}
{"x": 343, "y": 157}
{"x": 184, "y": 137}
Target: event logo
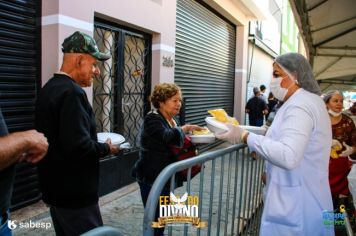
{"x": 179, "y": 210}
{"x": 336, "y": 217}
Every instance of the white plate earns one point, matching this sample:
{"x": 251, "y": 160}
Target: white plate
{"x": 219, "y": 127}
{"x": 216, "y": 126}
{"x": 202, "y": 138}
{"x": 115, "y": 138}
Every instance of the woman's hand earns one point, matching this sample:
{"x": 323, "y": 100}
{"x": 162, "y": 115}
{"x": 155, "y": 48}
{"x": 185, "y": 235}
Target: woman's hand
{"x": 335, "y": 143}
{"x": 348, "y": 151}
{"x": 190, "y": 128}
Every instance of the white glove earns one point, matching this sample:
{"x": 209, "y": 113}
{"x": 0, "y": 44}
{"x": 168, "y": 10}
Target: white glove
{"x": 266, "y": 127}
{"x": 234, "y": 135}
{"x": 348, "y": 151}
{"x": 335, "y": 143}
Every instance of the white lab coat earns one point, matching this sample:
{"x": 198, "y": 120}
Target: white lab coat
{"x": 297, "y": 149}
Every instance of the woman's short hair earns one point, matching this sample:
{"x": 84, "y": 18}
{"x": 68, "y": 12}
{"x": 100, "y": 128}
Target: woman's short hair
{"x": 162, "y": 92}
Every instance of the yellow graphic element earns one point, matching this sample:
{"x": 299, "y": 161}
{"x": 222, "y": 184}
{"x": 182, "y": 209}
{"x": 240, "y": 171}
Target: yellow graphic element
{"x": 342, "y": 208}
{"x": 222, "y": 116}
{"x": 195, "y": 221}
{"x": 201, "y": 132}
{"x": 334, "y": 150}
{"x": 176, "y": 209}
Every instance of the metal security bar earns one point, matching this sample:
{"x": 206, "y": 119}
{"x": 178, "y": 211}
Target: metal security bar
{"x": 229, "y": 189}
{"x": 120, "y": 92}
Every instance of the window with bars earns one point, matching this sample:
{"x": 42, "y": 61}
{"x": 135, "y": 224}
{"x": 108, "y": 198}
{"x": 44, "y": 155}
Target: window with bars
{"x": 120, "y": 93}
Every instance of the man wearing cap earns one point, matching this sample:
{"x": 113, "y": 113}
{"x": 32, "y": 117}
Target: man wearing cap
{"x": 256, "y": 108}
{"x": 69, "y": 173}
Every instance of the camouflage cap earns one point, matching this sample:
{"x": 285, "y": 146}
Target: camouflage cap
{"x": 79, "y": 42}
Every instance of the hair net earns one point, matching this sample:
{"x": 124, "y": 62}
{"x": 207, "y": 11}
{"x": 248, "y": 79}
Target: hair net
{"x": 326, "y": 96}
{"x": 296, "y": 64}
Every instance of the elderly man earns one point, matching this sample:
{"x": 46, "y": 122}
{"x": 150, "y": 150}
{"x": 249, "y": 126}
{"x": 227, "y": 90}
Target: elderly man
{"x": 69, "y": 174}
{"x": 28, "y": 146}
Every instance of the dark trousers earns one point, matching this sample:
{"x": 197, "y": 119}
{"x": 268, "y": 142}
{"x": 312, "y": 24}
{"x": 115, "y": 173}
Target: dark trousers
{"x": 256, "y": 122}
{"x": 68, "y": 222}
{"x": 145, "y": 190}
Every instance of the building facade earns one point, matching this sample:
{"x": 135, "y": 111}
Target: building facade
{"x": 200, "y": 45}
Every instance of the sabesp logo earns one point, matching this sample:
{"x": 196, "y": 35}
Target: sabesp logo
{"x": 11, "y": 224}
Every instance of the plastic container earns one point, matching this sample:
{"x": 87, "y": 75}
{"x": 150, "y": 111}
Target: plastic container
{"x": 202, "y": 138}
{"x": 218, "y": 127}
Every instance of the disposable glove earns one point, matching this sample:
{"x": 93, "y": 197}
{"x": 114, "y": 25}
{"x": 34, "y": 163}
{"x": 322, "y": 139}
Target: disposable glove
{"x": 335, "y": 143}
{"x": 266, "y": 127}
{"x": 348, "y": 151}
{"x": 234, "y": 135}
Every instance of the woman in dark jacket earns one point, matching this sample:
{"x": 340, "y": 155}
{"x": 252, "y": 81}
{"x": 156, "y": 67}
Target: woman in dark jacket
{"x": 159, "y": 132}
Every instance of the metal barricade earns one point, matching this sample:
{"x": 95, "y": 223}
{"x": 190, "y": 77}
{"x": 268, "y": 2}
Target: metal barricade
{"x": 229, "y": 188}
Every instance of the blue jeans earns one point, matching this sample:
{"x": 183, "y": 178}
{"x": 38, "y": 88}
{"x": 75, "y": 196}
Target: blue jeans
{"x": 4, "y": 228}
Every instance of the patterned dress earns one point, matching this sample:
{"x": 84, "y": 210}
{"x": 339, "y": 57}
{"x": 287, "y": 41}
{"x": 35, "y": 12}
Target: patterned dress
{"x": 339, "y": 168}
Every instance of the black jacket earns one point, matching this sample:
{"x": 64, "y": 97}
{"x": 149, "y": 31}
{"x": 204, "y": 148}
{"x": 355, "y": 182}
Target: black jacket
{"x": 155, "y": 153}
{"x": 256, "y": 105}
{"x": 69, "y": 173}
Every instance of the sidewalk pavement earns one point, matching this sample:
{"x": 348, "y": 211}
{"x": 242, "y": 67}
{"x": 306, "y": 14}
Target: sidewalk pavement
{"x": 121, "y": 209}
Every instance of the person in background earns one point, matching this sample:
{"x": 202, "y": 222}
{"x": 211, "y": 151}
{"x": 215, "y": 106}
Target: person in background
{"x": 344, "y": 146}
{"x": 69, "y": 173}
{"x": 30, "y": 146}
{"x": 263, "y": 90}
{"x": 351, "y": 112}
{"x": 296, "y": 148}
{"x": 160, "y": 130}
{"x": 256, "y": 108}
{"x": 272, "y": 102}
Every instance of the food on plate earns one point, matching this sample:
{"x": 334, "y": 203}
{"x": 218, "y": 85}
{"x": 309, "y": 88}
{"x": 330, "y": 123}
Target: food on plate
{"x": 201, "y": 132}
{"x": 334, "y": 153}
{"x": 221, "y": 115}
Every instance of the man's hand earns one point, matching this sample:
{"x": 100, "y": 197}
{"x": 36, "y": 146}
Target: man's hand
{"x": 113, "y": 148}
{"x": 37, "y": 146}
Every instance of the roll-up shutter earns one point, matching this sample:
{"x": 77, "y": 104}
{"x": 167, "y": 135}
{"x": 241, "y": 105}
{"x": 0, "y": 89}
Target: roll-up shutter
{"x": 19, "y": 76}
{"x": 204, "y": 60}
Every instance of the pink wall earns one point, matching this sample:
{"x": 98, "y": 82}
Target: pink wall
{"x": 157, "y": 17}
{"x": 62, "y": 17}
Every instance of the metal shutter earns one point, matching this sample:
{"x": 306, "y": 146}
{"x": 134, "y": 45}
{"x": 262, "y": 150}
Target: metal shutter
{"x": 204, "y": 60}
{"x": 19, "y": 76}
